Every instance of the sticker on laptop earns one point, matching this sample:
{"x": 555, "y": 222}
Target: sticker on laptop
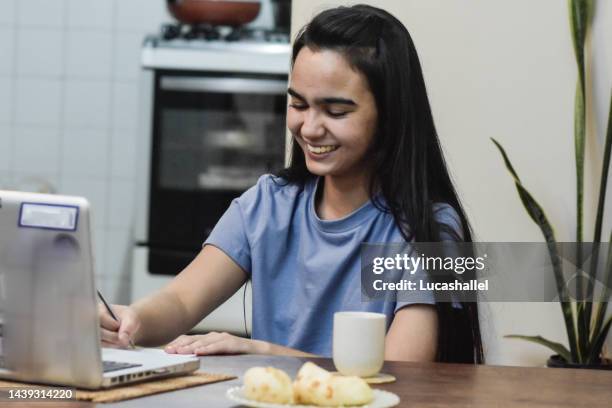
{"x": 49, "y": 216}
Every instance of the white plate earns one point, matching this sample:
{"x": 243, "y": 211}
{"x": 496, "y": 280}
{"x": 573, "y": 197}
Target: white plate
{"x": 382, "y": 399}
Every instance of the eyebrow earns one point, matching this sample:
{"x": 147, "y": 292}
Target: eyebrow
{"x": 324, "y": 101}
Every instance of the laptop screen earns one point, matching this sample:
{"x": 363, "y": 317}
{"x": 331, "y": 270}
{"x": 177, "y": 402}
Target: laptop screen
{"x": 48, "y": 293}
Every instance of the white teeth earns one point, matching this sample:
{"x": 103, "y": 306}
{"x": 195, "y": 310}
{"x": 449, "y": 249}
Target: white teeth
{"x": 321, "y": 149}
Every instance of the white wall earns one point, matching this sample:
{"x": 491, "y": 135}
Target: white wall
{"x": 69, "y": 103}
{"x": 505, "y": 69}
{"x": 68, "y": 110}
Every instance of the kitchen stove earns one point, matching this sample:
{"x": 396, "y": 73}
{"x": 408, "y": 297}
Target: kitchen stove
{"x": 208, "y": 32}
{"x": 205, "y": 47}
{"x": 212, "y": 121}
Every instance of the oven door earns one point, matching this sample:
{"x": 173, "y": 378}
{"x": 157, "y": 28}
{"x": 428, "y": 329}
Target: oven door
{"x": 214, "y": 135}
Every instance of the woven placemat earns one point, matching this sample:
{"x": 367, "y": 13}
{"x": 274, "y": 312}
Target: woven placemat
{"x": 139, "y": 389}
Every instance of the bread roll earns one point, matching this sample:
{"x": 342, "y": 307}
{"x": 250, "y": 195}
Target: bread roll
{"x": 268, "y": 384}
{"x": 311, "y": 370}
{"x": 316, "y": 386}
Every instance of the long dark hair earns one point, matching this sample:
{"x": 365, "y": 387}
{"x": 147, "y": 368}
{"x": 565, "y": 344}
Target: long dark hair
{"x": 406, "y": 156}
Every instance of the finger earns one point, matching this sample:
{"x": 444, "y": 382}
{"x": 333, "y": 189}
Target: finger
{"x": 180, "y": 341}
{"x": 183, "y": 340}
{"x": 189, "y": 348}
{"x": 127, "y": 329}
{"x": 125, "y": 340}
{"x": 220, "y": 347}
{"x": 224, "y": 343}
{"x": 201, "y": 341}
{"x": 106, "y": 319}
{"x": 109, "y": 345}
{"x": 109, "y": 336}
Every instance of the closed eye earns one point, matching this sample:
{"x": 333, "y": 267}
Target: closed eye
{"x": 298, "y": 106}
{"x": 336, "y": 114}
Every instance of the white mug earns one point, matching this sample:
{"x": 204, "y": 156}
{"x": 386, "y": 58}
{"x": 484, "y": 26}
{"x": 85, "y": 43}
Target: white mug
{"x": 359, "y": 343}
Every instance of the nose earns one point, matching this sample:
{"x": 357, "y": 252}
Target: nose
{"x": 312, "y": 125}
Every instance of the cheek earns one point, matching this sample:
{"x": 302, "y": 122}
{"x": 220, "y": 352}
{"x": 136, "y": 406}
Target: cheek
{"x": 355, "y": 135}
{"x": 293, "y": 121}
{"x": 367, "y": 128}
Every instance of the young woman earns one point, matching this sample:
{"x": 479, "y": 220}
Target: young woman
{"x": 366, "y": 166}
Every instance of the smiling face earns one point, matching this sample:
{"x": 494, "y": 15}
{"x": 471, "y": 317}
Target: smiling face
{"x": 331, "y": 114}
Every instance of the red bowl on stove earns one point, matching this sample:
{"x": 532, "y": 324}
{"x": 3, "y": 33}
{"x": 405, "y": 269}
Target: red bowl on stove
{"x": 214, "y": 12}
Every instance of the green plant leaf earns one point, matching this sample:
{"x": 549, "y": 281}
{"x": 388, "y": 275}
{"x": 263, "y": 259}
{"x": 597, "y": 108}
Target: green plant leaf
{"x": 579, "y": 21}
{"x": 579, "y": 143}
{"x": 580, "y": 12}
{"x": 598, "y": 342}
{"x": 533, "y": 208}
{"x": 554, "y": 346}
{"x": 605, "y": 296}
{"x": 581, "y": 15}
{"x": 539, "y": 217}
{"x": 585, "y": 344}
{"x": 605, "y": 168}
{"x": 583, "y": 326}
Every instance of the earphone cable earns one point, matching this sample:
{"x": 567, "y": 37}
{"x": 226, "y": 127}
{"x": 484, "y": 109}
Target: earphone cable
{"x": 246, "y": 332}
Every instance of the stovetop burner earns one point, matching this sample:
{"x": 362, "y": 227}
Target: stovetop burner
{"x": 217, "y": 48}
{"x": 205, "y": 32}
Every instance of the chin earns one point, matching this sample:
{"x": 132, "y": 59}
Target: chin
{"x": 318, "y": 169}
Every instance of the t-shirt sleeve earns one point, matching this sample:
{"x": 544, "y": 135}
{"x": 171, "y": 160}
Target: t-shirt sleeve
{"x": 241, "y": 223}
{"x": 245, "y": 229}
{"x": 451, "y": 229}
{"x": 229, "y": 235}
{"x": 451, "y": 226}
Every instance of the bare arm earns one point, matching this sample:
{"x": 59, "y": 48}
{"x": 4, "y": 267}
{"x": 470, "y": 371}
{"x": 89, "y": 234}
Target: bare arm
{"x": 210, "y": 279}
{"x": 225, "y": 343}
{"x": 413, "y": 335}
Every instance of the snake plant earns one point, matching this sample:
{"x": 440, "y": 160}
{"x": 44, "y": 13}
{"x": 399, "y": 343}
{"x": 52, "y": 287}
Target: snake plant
{"x": 586, "y": 333}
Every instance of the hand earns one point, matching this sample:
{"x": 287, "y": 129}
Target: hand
{"x": 216, "y": 343}
{"x": 118, "y": 333}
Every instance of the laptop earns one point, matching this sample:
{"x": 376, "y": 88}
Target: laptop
{"x": 50, "y": 331}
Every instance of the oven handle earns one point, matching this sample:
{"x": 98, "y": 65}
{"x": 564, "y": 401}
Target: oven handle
{"x": 224, "y": 85}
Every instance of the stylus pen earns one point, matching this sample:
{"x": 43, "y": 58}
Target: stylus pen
{"x": 110, "y": 311}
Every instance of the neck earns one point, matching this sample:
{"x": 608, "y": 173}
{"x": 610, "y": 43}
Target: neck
{"x": 342, "y": 196}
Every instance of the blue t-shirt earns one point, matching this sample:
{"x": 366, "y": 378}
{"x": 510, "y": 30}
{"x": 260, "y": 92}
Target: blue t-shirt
{"x": 304, "y": 269}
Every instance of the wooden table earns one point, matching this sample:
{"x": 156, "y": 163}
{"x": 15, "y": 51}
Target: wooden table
{"x": 418, "y": 385}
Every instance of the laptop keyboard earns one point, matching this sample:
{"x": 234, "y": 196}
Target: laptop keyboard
{"x": 107, "y": 366}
